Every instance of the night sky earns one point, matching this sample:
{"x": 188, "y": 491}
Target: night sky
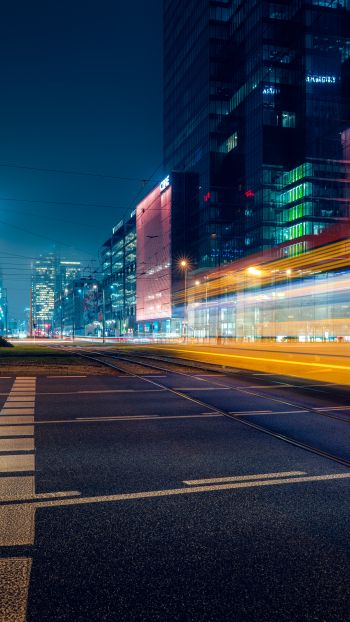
{"x": 81, "y": 90}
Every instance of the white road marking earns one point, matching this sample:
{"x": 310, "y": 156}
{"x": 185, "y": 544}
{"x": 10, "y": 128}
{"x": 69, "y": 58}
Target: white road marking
{"x": 186, "y": 491}
{"x": 16, "y": 463}
{"x": 41, "y": 496}
{"x": 21, "y": 398}
{"x": 19, "y": 404}
{"x": 16, "y": 487}
{"x": 16, "y": 525}
{"x": 202, "y": 388}
{"x": 242, "y": 478}
{"x": 104, "y": 391}
{"x": 10, "y": 409}
{"x": 15, "y": 430}
{"x": 16, "y": 444}
{"x": 266, "y": 412}
{"x": 14, "y": 585}
{"x": 118, "y": 418}
{"x": 333, "y": 408}
{"x": 17, "y": 522}
{"x": 14, "y": 419}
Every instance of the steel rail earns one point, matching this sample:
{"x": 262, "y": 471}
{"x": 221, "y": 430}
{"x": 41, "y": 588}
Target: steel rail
{"x": 275, "y": 398}
{"x": 232, "y": 417}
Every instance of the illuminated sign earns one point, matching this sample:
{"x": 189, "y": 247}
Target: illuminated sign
{"x": 249, "y": 194}
{"x": 165, "y": 183}
{"x": 316, "y": 79}
{"x": 270, "y": 90}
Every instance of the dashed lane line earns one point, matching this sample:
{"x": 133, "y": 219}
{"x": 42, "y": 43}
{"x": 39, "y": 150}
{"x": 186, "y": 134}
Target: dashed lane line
{"x": 242, "y": 478}
{"x": 251, "y": 413}
{"x": 152, "y": 494}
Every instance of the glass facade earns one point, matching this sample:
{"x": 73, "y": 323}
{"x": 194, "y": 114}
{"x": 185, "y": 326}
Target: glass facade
{"x": 44, "y": 274}
{"x": 257, "y": 104}
{"x": 164, "y": 240}
{"x": 118, "y": 264}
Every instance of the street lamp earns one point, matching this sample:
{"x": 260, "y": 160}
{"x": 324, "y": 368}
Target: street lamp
{"x": 103, "y": 315}
{"x": 183, "y": 265}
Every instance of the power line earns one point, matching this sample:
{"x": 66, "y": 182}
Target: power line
{"x": 71, "y": 203}
{"x": 60, "y": 171}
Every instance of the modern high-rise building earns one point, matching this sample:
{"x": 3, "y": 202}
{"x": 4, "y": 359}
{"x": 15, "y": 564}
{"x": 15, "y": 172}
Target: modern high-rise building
{"x": 256, "y": 102}
{"x": 118, "y": 263}
{"x": 67, "y": 271}
{"x": 163, "y": 257}
{"x": 44, "y": 273}
{"x": 50, "y": 276}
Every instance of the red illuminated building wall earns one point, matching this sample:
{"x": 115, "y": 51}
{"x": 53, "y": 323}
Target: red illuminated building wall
{"x": 153, "y": 255}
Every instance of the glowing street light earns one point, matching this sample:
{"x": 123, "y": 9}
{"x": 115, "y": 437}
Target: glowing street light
{"x": 184, "y": 265}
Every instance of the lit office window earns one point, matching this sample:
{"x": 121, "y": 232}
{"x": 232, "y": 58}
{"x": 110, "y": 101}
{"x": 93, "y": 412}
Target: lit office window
{"x": 232, "y": 142}
{"x": 288, "y": 119}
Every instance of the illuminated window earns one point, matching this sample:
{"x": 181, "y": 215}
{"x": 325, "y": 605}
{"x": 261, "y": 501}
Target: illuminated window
{"x": 331, "y": 4}
{"x": 288, "y": 119}
{"x": 231, "y": 142}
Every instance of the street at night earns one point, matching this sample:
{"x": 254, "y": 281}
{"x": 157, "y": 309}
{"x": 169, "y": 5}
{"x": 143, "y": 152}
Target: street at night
{"x": 151, "y": 497}
{"x": 175, "y": 311}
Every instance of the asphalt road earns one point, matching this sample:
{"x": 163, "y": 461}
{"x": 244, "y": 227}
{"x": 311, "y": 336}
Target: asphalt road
{"x": 147, "y": 504}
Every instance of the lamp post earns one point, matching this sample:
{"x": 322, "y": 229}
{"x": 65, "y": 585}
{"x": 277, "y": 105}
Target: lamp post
{"x": 255, "y": 273}
{"x": 6, "y": 311}
{"x": 183, "y": 264}
{"x": 73, "y": 316}
{"x": 103, "y": 315}
{"x": 288, "y": 273}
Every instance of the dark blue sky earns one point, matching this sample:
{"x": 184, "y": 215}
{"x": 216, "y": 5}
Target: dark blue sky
{"x": 81, "y": 90}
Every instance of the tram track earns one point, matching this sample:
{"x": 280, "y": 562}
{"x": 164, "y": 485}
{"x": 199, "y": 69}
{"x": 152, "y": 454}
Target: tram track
{"x": 99, "y": 358}
{"x": 136, "y": 360}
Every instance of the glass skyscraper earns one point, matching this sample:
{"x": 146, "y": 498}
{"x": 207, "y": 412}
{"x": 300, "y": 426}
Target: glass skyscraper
{"x": 44, "y": 271}
{"x": 256, "y": 102}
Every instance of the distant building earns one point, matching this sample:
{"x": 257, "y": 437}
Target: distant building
{"x": 67, "y": 271}
{"x": 50, "y": 276}
{"x": 118, "y": 261}
{"x": 77, "y": 309}
{"x": 44, "y": 272}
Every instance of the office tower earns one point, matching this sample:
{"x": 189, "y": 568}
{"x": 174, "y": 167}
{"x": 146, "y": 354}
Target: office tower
{"x": 118, "y": 261}
{"x": 44, "y": 271}
{"x": 163, "y": 256}
{"x": 256, "y": 101}
{"x": 67, "y": 271}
